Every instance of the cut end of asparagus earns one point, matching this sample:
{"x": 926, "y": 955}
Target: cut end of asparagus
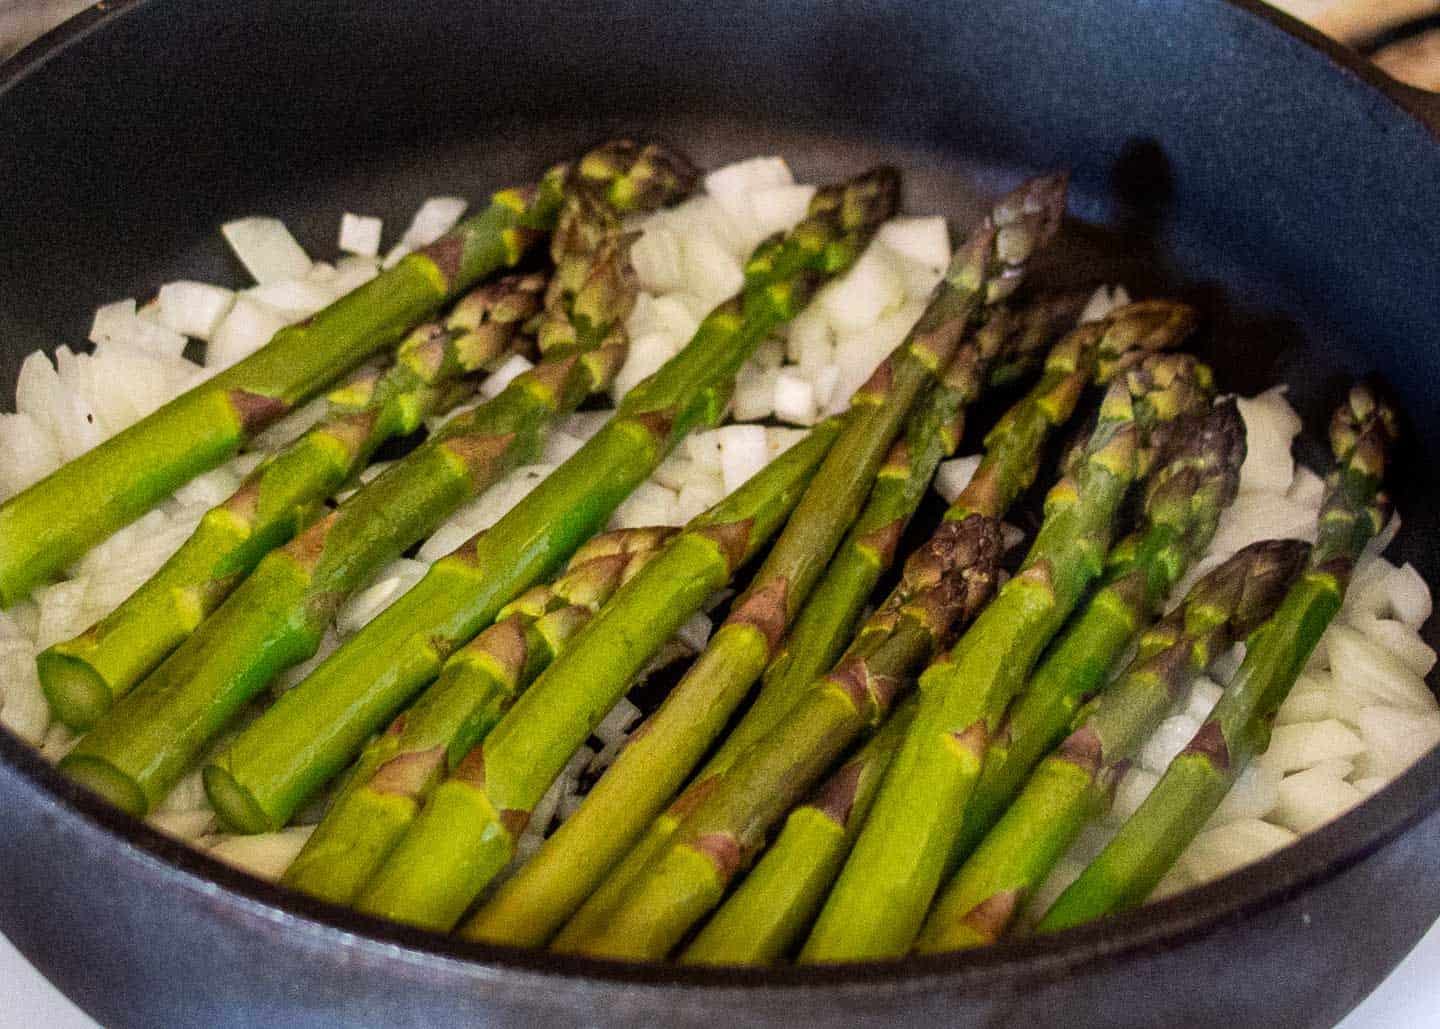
{"x": 77, "y": 694}
{"x": 234, "y": 805}
{"x": 109, "y": 782}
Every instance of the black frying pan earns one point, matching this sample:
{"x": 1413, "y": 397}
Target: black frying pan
{"x": 1220, "y": 151}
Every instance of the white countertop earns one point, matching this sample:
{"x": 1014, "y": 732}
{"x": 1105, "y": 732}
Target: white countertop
{"x": 1409, "y": 999}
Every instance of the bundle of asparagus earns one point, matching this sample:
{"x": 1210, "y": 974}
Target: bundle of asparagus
{"x": 1182, "y": 505}
{"x": 682, "y": 868}
{"x": 42, "y": 529}
{"x": 466, "y": 832}
{"x": 137, "y": 752}
{"x": 307, "y": 738}
{"x": 535, "y": 902}
{"x": 83, "y": 676}
{"x": 1072, "y": 784}
{"x": 902, "y": 853}
{"x": 398, "y": 769}
{"x": 1124, "y": 874}
{"x": 776, "y": 902}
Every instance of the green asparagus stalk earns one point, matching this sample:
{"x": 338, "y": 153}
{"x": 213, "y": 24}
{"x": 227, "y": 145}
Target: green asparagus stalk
{"x": 467, "y": 831}
{"x": 1183, "y": 502}
{"x": 310, "y": 735}
{"x": 902, "y": 852}
{"x": 767, "y": 915}
{"x": 1013, "y": 450}
{"x": 83, "y": 676}
{"x": 276, "y": 618}
{"x": 1073, "y": 784}
{"x": 1353, "y": 511}
{"x": 532, "y": 904}
{"x": 43, "y": 529}
{"x": 397, "y": 770}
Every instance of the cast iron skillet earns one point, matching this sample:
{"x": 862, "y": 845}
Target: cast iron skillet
{"x": 1219, "y": 151}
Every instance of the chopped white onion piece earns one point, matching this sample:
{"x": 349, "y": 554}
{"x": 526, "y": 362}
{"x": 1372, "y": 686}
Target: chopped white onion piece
{"x": 390, "y": 585}
{"x": 1400, "y": 641}
{"x": 615, "y": 726}
{"x": 1220, "y": 851}
{"x": 436, "y": 216}
{"x": 360, "y": 234}
{"x": 1370, "y": 674}
{"x": 266, "y": 249}
{"x": 696, "y": 632}
{"x": 858, "y": 299}
{"x": 698, "y": 495}
{"x": 247, "y": 328}
{"x": 585, "y": 424}
{"x": 1271, "y": 424}
{"x": 27, "y": 453}
{"x": 703, "y": 448}
{"x": 560, "y": 446}
{"x": 510, "y": 369}
{"x": 1254, "y": 795}
{"x": 794, "y": 399}
{"x": 23, "y": 708}
{"x": 1396, "y": 739}
{"x": 1103, "y": 302}
{"x": 1259, "y": 516}
{"x": 951, "y": 477}
{"x": 1130, "y": 793}
{"x": 1204, "y": 694}
{"x": 655, "y": 256}
{"x": 1168, "y": 740}
{"x": 749, "y": 175}
{"x": 194, "y": 308}
{"x": 1304, "y": 745}
{"x": 710, "y": 271}
{"x": 265, "y": 856}
{"x": 665, "y": 315}
{"x": 353, "y": 272}
{"x": 649, "y": 504}
{"x": 646, "y": 355}
{"x": 779, "y": 208}
{"x": 1309, "y": 799}
{"x": 754, "y": 396}
{"x": 294, "y": 299}
{"x": 743, "y": 452}
{"x": 183, "y": 825}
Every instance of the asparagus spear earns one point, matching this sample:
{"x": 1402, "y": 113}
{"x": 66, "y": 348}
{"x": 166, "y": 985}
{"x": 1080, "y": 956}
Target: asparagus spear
{"x": 314, "y": 730}
{"x": 43, "y": 529}
{"x": 466, "y": 833}
{"x": 1013, "y": 449}
{"x": 1183, "y": 502}
{"x": 532, "y": 904}
{"x": 1354, "y": 509}
{"x": 83, "y": 676}
{"x": 767, "y": 915}
{"x": 901, "y": 853}
{"x": 1072, "y": 784}
{"x": 275, "y": 619}
{"x": 397, "y": 771}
